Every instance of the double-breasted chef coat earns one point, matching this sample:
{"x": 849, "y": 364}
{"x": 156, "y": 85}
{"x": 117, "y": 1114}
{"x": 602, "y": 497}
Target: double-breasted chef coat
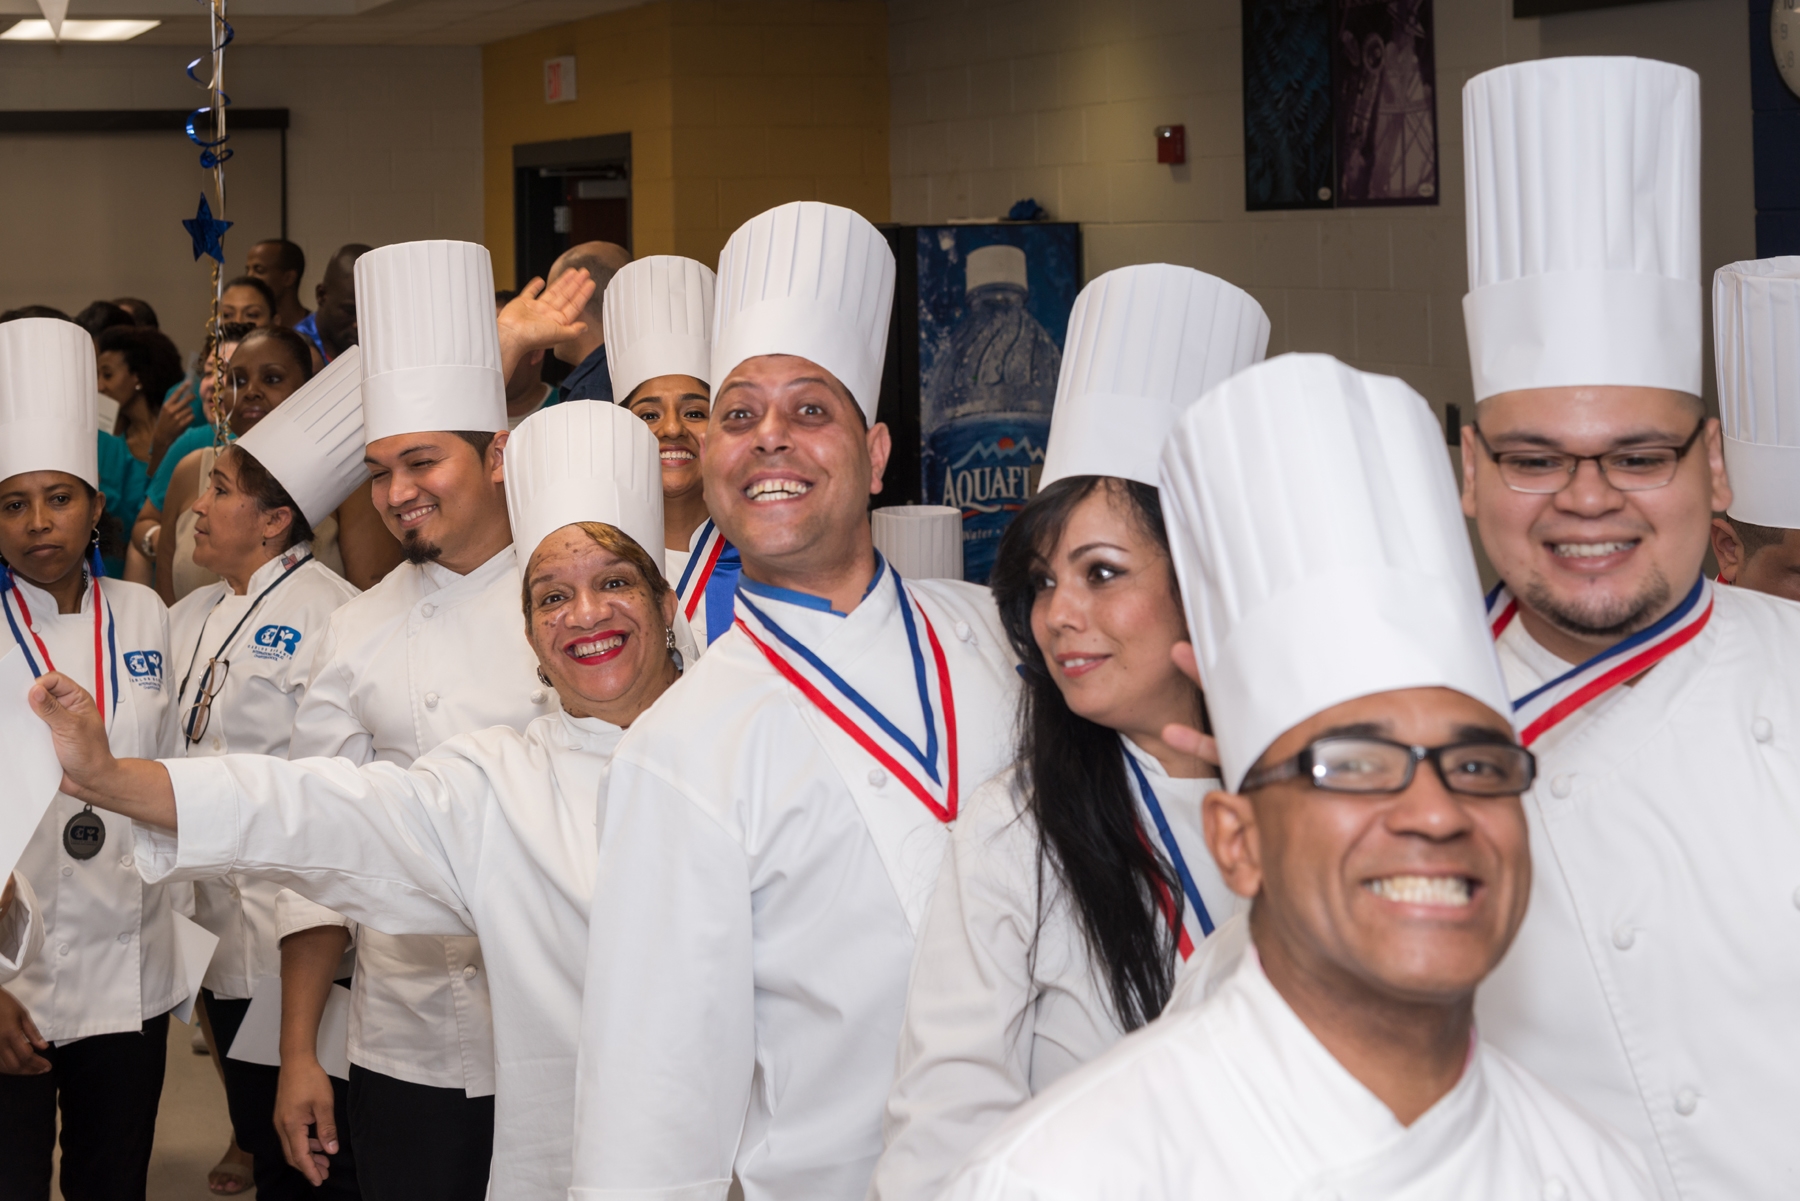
{"x": 493, "y": 833}
{"x": 762, "y": 879}
{"x": 109, "y": 960}
{"x": 271, "y": 656}
{"x": 1239, "y": 1099}
{"x": 1003, "y": 1003}
{"x": 422, "y": 656}
{"x": 1655, "y": 977}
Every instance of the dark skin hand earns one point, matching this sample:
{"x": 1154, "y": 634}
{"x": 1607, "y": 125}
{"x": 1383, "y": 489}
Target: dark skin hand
{"x": 20, "y": 1041}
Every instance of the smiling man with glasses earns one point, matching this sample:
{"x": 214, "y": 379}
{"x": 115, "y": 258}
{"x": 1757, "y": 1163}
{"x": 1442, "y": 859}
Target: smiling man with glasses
{"x": 1371, "y": 813}
{"x": 1653, "y": 979}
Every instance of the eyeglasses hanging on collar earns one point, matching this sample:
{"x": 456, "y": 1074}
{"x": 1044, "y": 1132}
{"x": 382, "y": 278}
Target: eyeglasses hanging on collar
{"x": 199, "y": 715}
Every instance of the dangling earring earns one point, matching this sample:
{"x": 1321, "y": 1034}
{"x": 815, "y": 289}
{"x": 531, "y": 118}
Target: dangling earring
{"x": 544, "y": 679}
{"x": 674, "y": 655}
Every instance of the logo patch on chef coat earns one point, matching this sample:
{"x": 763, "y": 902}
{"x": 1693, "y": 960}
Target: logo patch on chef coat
{"x": 275, "y": 642}
{"x": 146, "y": 668}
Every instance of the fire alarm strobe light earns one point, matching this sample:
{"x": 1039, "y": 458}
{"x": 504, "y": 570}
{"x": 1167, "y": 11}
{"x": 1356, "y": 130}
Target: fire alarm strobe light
{"x": 1171, "y": 143}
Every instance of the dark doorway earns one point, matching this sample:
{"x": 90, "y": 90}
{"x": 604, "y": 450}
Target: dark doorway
{"x": 567, "y": 192}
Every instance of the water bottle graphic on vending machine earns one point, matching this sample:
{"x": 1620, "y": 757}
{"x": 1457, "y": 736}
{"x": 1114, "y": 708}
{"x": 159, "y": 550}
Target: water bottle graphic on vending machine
{"x": 987, "y": 405}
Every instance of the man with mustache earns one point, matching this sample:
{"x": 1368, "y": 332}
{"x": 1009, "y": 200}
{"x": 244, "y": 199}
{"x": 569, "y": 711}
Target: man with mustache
{"x": 1652, "y": 980}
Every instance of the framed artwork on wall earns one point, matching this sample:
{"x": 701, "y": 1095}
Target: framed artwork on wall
{"x": 1384, "y": 102}
{"x": 1287, "y": 104}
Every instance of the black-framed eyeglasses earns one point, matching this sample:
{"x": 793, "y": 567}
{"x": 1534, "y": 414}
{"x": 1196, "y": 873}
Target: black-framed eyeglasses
{"x": 199, "y": 714}
{"x": 1349, "y": 763}
{"x": 1631, "y": 469}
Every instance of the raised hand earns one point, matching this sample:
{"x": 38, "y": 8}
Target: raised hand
{"x": 540, "y": 317}
{"x": 138, "y": 788}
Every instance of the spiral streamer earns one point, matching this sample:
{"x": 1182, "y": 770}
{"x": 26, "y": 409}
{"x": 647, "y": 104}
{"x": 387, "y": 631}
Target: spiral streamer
{"x": 214, "y": 152}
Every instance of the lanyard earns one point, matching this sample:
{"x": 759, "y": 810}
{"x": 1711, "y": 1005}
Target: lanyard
{"x": 944, "y": 811}
{"x": 226, "y": 641}
{"x": 104, "y": 653}
{"x": 1543, "y": 708}
{"x": 1188, "y": 887}
{"x": 705, "y": 558}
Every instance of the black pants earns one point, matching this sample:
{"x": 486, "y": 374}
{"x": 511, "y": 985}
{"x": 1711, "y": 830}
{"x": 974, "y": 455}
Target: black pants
{"x": 418, "y": 1143}
{"x": 250, "y": 1095}
{"x": 109, "y": 1086}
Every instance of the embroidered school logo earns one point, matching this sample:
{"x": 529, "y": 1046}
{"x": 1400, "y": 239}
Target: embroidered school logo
{"x": 275, "y": 642}
{"x": 146, "y": 668}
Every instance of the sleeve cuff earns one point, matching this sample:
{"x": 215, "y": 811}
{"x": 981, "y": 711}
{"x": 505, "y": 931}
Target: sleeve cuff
{"x": 21, "y": 930}
{"x": 205, "y": 841}
{"x": 294, "y": 913}
{"x": 706, "y": 1190}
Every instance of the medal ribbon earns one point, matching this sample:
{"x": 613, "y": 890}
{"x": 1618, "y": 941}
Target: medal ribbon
{"x": 106, "y": 650}
{"x": 1543, "y": 708}
{"x": 692, "y": 588}
{"x": 1188, "y": 887}
{"x": 293, "y": 565}
{"x": 945, "y": 810}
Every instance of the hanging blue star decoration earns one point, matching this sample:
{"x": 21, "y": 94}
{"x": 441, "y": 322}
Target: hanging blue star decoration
{"x": 206, "y": 232}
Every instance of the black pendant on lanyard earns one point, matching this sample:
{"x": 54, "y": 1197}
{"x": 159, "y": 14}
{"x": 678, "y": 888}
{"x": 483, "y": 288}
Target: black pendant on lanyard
{"x": 84, "y": 834}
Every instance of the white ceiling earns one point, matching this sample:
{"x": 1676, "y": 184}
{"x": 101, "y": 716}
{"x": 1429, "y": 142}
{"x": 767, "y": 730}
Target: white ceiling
{"x": 340, "y": 22}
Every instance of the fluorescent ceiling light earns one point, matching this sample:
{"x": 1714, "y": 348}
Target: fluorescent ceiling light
{"x": 78, "y": 31}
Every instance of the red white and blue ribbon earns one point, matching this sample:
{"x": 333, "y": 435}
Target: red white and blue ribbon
{"x": 106, "y": 651}
{"x": 1184, "y": 942}
{"x": 1543, "y": 708}
{"x": 934, "y": 782}
{"x": 708, "y": 582}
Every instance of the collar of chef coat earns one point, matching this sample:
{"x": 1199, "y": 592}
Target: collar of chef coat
{"x": 271, "y": 571}
{"x": 806, "y": 601}
{"x": 43, "y": 605}
{"x": 435, "y": 577}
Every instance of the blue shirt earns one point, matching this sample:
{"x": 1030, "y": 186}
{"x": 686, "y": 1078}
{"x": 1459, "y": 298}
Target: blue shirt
{"x": 192, "y": 438}
{"x": 308, "y": 328}
{"x": 123, "y": 482}
{"x": 592, "y": 380}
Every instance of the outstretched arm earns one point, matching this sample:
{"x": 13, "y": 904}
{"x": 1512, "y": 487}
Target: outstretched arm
{"x": 540, "y": 317}
{"x": 136, "y": 788}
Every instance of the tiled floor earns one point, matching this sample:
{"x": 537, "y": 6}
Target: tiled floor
{"x": 192, "y": 1128}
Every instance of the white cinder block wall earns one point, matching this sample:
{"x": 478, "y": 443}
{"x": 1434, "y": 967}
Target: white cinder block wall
{"x": 995, "y": 100}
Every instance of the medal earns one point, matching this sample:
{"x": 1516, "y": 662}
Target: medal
{"x": 84, "y": 834}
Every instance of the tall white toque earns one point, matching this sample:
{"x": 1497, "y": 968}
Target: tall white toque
{"x": 1583, "y": 182}
{"x": 657, "y": 316}
{"x": 1144, "y": 343}
{"x": 48, "y": 420}
{"x": 431, "y": 348}
{"x": 312, "y": 442}
{"x": 583, "y": 460}
{"x": 812, "y": 280}
{"x": 1756, "y": 344}
{"x": 922, "y": 542}
{"x": 1321, "y": 550}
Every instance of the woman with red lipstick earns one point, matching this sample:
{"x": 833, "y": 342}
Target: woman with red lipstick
{"x": 84, "y": 1027}
{"x": 491, "y": 833}
{"x": 1079, "y": 880}
{"x": 658, "y": 313}
{"x": 265, "y": 369}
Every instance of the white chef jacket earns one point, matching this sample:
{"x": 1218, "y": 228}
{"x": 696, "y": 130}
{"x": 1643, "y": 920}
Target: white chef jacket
{"x": 271, "y": 657}
{"x": 1239, "y": 1100}
{"x": 747, "y": 970}
{"x": 421, "y": 657}
{"x": 1654, "y": 977}
{"x": 987, "y": 1026}
{"x": 21, "y": 930}
{"x": 492, "y": 833}
{"x": 109, "y": 958}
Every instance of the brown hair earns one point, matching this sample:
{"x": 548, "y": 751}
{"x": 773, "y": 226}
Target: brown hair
{"x": 255, "y": 482}
{"x": 608, "y": 538}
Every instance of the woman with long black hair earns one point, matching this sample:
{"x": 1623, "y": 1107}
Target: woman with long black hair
{"x": 1079, "y": 879}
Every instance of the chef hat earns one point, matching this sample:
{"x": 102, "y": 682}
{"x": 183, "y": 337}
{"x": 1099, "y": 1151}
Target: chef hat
{"x": 1756, "y": 343}
{"x": 1321, "y": 550}
{"x": 923, "y": 542}
{"x": 812, "y": 280}
{"x": 1144, "y": 343}
{"x": 431, "y": 349}
{"x": 583, "y": 460}
{"x": 312, "y": 442}
{"x": 658, "y": 321}
{"x": 1583, "y": 180}
{"x": 48, "y": 420}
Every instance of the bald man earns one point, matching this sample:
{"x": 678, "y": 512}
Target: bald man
{"x": 590, "y": 380}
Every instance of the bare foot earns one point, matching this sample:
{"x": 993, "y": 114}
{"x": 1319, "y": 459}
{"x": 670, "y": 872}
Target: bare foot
{"x": 231, "y": 1175}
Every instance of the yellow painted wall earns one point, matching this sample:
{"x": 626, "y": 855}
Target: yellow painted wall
{"x": 733, "y": 106}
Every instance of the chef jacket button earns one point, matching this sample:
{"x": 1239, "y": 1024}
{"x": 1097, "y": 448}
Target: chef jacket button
{"x": 1555, "y": 1190}
{"x": 428, "y": 609}
{"x": 877, "y": 777}
{"x": 964, "y": 632}
{"x": 1623, "y": 937}
{"x": 469, "y": 972}
{"x": 1562, "y": 786}
{"x": 218, "y": 743}
{"x": 63, "y": 950}
{"x": 127, "y": 861}
{"x": 125, "y": 936}
{"x": 537, "y": 696}
{"x": 1686, "y": 1102}
{"x": 1796, "y": 891}
{"x": 431, "y": 700}
{"x": 69, "y": 871}
{"x": 1762, "y": 729}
